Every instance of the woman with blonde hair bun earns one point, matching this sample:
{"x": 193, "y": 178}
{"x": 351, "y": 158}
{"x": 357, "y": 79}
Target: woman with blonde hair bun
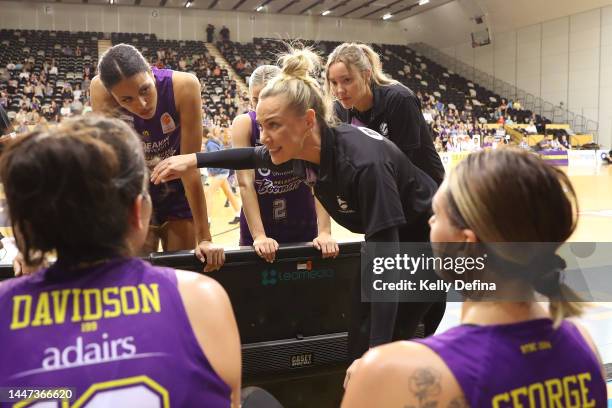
{"x": 362, "y": 179}
{"x": 277, "y": 207}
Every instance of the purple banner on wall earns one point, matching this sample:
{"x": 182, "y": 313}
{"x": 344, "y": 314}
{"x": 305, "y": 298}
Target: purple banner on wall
{"x": 555, "y": 157}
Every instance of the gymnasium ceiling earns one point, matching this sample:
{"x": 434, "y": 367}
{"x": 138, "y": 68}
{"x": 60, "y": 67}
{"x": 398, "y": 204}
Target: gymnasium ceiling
{"x": 501, "y": 16}
{"x": 443, "y": 17}
{"x": 365, "y": 9}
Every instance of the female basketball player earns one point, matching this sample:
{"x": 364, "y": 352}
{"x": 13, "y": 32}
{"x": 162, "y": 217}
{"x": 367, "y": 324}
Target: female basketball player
{"x": 277, "y": 206}
{"x": 164, "y": 107}
{"x": 101, "y": 321}
{"x": 367, "y": 97}
{"x": 504, "y": 354}
{"x": 362, "y": 179}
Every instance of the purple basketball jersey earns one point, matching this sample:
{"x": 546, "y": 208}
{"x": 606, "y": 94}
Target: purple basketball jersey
{"x": 286, "y": 204}
{"x": 527, "y": 364}
{"x": 161, "y": 138}
{"x": 117, "y": 333}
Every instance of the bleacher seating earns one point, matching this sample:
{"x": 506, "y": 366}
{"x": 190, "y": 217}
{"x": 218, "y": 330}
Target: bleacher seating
{"x": 31, "y": 50}
{"x": 450, "y": 98}
{"x": 74, "y": 54}
{"x": 462, "y": 100}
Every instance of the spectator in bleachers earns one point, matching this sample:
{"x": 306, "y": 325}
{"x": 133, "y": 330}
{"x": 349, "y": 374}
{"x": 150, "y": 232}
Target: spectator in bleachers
{"x": 564, "y": 142}
{"x": 76, "y": 107}
{"x": 49, "y": 91}
{"x": 555, "y": 145}
{"x": 77, "y": 92}
{"x": 366, "y": 96}
{"x": 28, "y": 89}
{"x": 531, "y": 128}
{"x": 239, "y": 66}
{"x": 53, "y": 112}
{"x": 248, "y": 68}
{"x": 503, "y": 107}
{"x": 24, "y": 75}
{"x": 21, "y": 117}
{"x": 225, "y": 33}
{"x": 36, "y": 105}
{"x": 5, "y": 75}
{"x": 85, "y": 83}
{"x": 210, "y": 33}
{"x": 65, "y": 110}
{"x": 11, "y": 66}
{"x": 39, "y": 90}
{"x": 67, "y": 91}
{"x": 32, "y": 117}
{"x": 53, "y": 69}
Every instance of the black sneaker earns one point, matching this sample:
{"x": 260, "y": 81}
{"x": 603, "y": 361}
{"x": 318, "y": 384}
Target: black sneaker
{"x": 236, "y": 220}
{"x": 226, "y": 205}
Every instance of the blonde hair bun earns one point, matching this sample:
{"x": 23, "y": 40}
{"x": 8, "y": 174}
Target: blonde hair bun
{"x": 300, "y": 63}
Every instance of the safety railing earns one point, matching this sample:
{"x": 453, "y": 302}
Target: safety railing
{"x": 557, "y": 114}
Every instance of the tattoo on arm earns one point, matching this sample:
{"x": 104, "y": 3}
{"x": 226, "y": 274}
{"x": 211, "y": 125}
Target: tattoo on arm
{"x": 426, "y": 387}
{"x": 458, "y": 402}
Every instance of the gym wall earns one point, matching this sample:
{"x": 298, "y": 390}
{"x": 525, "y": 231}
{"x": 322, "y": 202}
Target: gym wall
{"x": 190, "y": 24}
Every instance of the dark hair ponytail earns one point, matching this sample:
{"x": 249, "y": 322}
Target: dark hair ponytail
{"x": 70, "y": 188}
{"x": 119, "y": 62}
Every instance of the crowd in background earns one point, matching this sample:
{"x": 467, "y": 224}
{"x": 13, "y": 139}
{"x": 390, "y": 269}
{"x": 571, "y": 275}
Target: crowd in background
{"x": 457, "y": 130}
{"x": 454, "y": 128}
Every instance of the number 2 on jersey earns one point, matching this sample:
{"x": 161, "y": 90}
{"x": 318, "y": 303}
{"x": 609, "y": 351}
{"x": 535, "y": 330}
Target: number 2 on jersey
{"x": 279, "y": 209}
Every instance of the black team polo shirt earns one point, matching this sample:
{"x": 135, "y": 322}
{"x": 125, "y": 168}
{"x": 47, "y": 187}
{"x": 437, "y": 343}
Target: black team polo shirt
{"x": 396, "y": 114}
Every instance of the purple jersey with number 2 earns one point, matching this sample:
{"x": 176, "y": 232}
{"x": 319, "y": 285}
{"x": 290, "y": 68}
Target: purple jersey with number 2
{"x": 286, "y": 204}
